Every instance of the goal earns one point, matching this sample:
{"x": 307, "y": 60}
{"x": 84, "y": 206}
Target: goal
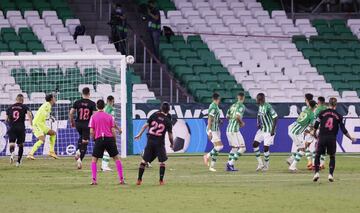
{"x": 64, "y": 75}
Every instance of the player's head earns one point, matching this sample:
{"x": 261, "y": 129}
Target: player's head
{"x": 100, "y": 104}
{"x": 50, "y": 98}
{"x": 216, "y": 98}
{"x": 308, "y": 97}
{"x": 332, "y": 102}
{"x": 260, "y": 98}
{"x": 165, "y": 107}
{"x": 241, "y": 97}
{"x": 321, "y": 100}
{"x": 110, "y": 100}
{"x": 312, "y": 104}
{"x": 86, "y": 92}
{"x": 20, "y": 98}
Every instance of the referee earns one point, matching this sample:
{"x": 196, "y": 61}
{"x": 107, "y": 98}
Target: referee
{"x": 102, "y": 130}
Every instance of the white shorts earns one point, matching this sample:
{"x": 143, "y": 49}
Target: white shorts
{"x": 298, "y": 140}
{"x": 216, "y": 137}
{"x": 264, "y": 136}
{"x": 235, "y": 139}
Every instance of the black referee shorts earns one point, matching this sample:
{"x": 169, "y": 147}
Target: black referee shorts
{"x": 155, "y": 148}
{"x": 83, "y": 130}
{"x": 326, "y": 144}
{"x": 102, "y": 144}
{"x": 17, "y": 134}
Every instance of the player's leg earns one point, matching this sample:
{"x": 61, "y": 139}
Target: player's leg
{"x": 291, "y": 159}
{"x": 218, "y": 146}
{"x": 111, "y": 148}
{"x": 20, "y": 142}
{"x": 237, "y": 144}
{"x": 148, "y": 156}
{"x": 85, "y": 136}
{"x": 79, "y": 142}
{"x": 40, "y": 135}
{"x": 300, "y": 146}
{"x": 52, "y": 135}
{"x": 331, "y": 150}
{"x": 12, "y": 153}
{"x": 259, "y": 137}
{"x": 162, "y": 157}
{"x": 268, "y": 141}
{"x": 97, "y": 153}
{"x": 320, "y": 149}
{"x": 105, "y": 162}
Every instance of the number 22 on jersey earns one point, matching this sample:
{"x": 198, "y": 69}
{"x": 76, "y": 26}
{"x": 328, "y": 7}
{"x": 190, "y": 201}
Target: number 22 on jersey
{"x": 156, "y": 128}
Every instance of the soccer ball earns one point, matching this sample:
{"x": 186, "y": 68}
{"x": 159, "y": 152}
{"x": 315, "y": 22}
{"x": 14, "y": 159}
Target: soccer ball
{"x": 130, "y": 59}
{"x": 181, "y": 132}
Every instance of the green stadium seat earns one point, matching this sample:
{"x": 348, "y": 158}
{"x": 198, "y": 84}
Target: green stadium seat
{"x": 195, "y": 86}
{"x": 328, "y": 53}
{"x": 180, "y": 45}
{"x": 54, "y": 72}
{"x": 168, "y": 53}
{"x": 186, "y": 79}
{"x": 25, "y": 37}
{"x": 320, "y": 23}
{"x": 187, "y": 53}
{"x": 194, "y": 38}
{"x": 35, "y": 46}
{"x": 208, "y": 78}
{"x": 72, "y": 71}
{"x": 346, "y": 53}
{"x": 173, "y": 62}
{"x": 183, "y": 70}
{"x": 4, "y": 47}
{"x": 17, "y": 46}
{"x": 202, "y": 70}
{"x": 177, "y": 38}
{"x": 309, "y": 53}
{"x": 315, "y": 61}
{"x": 340, "y": 69}
{"x": 18, "y": 72}
{"x": 193, "y": 62}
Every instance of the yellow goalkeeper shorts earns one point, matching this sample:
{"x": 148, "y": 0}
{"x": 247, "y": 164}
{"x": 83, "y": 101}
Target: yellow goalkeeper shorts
{"x": 40, "y": 130}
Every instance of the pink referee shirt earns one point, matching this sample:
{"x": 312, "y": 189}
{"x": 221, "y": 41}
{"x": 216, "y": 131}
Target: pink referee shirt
{"x": 102, "y": 123}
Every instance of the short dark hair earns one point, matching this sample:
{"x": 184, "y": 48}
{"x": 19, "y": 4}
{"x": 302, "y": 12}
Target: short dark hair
{"x": 309, "y": 96}
{"x": 321, "y": 99}
{"x": 215, "y": 96}
{"x": 241, "y": 94}
{"x": 165, "y": 107}
{"x": 100, "y": 104}
{"x": 260, "y": 95}
{"x": 312, "y": 104}
{"x": 86, "y": 91}
{"x": 110, "y": 98}
{"x": 20, "y": 96}
{"x": 332, "y": 101}
{"x": 49, "y": 97}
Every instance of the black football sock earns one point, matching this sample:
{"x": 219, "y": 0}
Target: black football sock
{"x": 317, "y": 162}
{"x": 20, "y": 153}
{"x": 83, "y": 149}
{"x": 79, "y": 143}
{"x": 141, "y": 170}
{"x": 332, "y": 165}
{"x": 162, "y": 171}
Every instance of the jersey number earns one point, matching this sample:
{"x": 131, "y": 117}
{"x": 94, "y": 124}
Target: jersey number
{"x": 156, "y": 129}
{"x": 16, "y": 115}
{"x": 84, "y": 114}
{"x": 329, "y": 123}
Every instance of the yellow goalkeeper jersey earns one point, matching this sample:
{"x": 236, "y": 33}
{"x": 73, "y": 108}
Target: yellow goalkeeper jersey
{"x": 42, "y": 114}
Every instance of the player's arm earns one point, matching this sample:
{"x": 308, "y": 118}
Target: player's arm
{"x": 345, "y": 131}
{"x": 71, "y": 117}
{"x": 171, "y": 139}
{"x": 143, "y": 128}
{"x": 113, "y": 130}
{"x": 210, "y": 122}
{"x": 228, "y": 114}
{"x": 92, "y": 135}
{"x": 274, "y": 119}
{"x": 30, "y": 117}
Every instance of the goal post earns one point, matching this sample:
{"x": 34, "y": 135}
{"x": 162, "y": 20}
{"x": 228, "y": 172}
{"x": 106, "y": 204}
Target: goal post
{"x": 65, "y": 74}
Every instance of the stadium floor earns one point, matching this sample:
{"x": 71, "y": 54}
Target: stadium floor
{"x": 48, "y": 185}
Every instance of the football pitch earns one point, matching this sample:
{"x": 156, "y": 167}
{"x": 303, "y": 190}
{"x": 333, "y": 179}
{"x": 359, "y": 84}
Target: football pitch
{"x": 47, "y": 185}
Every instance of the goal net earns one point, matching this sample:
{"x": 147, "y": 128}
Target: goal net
{"x": 64, "y": 75}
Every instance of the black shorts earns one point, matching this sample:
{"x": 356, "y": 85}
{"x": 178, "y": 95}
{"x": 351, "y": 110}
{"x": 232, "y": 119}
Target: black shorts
{"x": 84, "y": 130}
{"x": 102, "y": 144}
{"x": 17, "y": 134}
{"x": 155, "y": 148}
{"x": 326, "y": 144}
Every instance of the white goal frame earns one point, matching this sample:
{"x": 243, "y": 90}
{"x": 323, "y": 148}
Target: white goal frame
{"x": 88, "y": 57}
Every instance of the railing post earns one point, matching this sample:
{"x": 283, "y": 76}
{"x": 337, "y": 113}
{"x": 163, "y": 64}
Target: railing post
{"x": 151, "y": 71}
{"x": 161, "y": 81}
{"x": 95, "y": 6}
{"x": 177, "y": 95}
{"x": 171, "y": 90}
{"x": 100, "y": 10}
{"x": 109, "y": 10}
{"x": 144, "y": 63}
{"x": 135, "y": 46}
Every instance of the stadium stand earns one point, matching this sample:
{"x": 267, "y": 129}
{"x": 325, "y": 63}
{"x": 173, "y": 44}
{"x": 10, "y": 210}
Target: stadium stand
{"x": 255, "y": 47}
{"x": 43, "y": 27}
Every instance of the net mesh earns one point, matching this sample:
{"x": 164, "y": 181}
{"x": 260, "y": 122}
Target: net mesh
{"x": 65, "y": 79}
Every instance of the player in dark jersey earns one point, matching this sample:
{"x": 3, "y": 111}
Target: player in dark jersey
{"x": 84, "y": 109}
{"x": 158, "y": 124}
{"x": 329, "y": 121}
{"x": 15, "y": 116}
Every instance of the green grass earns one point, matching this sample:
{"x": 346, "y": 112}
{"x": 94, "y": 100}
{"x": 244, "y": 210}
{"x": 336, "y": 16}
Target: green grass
{"x": 48, "y": 185}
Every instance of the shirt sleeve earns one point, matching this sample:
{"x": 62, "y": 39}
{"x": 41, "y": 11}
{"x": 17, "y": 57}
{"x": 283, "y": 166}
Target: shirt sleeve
{"x": 91, "y": 122}
{"x": 169, "y": 127}
{"x": 151, "y": 118}
{"x": 342, "y": 125}
{"x": 112, "y": 121}
{"x": 8, "y": 112}
{"x": 240, "y": 111}
{"x": 318, "y": 120}
{"x": 272, "y": 112}
{"x": 75, "y": 105}
{"x": 212, "y": 112}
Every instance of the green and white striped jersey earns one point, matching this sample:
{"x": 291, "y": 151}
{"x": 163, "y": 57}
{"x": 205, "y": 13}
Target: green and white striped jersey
{"x": 305, "y": 119}
{"x": 214, "y": 111}
{"x": 318, "y": 110}
{"x": 237, "y": 109}
{"x": 265, "y": 116}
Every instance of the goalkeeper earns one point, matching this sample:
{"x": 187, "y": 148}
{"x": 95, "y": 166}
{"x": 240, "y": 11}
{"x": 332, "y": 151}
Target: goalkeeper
{"x": 40, "y": 129}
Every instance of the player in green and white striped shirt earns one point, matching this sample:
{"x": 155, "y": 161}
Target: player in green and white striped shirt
{"x": 236, "y": 140}
{"x": 213, "y": 132}
{"x": 267, "y": 119}
{"x": 297, "y": 131}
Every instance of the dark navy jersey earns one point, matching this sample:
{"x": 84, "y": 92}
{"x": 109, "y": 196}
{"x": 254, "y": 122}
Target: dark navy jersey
{"x": 330, "y": 121}
{"x": 17, "y": 115}
{"x": 84, "y": 110}
{"x": 159, "y": 124}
